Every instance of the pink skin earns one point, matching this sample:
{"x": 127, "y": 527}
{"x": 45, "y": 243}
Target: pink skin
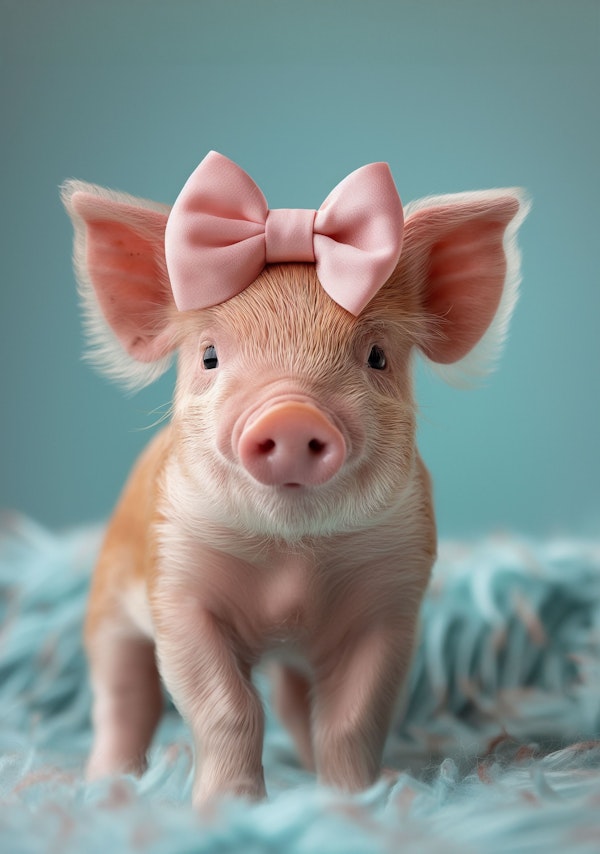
{"x": 285, "y": 511}
{"x": 291, "y": 444}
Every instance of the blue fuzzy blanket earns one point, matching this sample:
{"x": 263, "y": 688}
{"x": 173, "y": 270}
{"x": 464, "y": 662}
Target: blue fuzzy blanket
{"x": 497, "y": 752}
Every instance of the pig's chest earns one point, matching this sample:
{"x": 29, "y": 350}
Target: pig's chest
{"x": 269, "y": 604}
{"x": 285, "y": 604}
{"x": 276, "y": 600}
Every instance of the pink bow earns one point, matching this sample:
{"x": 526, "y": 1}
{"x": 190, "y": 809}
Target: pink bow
{"x": 220, "y": 234}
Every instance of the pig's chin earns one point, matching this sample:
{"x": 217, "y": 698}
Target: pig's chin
{"x": 290, "y": 513}
{"x": 293, "y": 512}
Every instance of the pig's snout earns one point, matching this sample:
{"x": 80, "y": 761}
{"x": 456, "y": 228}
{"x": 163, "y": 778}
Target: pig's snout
{"x": 292, "y": 444}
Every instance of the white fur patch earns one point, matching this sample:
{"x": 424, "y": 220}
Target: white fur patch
{"x": 137, "y": 608}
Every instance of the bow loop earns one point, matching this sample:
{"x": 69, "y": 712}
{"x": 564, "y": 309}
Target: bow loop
{"x": 220, "y": 234}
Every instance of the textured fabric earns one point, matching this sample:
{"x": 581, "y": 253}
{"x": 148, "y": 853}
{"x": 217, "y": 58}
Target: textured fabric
{"x": 220, "y": 234}
{"x": 497, "y": 751}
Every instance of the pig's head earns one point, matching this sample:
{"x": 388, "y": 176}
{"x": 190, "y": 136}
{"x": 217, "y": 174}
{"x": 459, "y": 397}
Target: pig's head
{"x": 294, "y": 416}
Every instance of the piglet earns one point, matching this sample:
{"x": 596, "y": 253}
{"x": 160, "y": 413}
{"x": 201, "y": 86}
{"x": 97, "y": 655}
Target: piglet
{"x": 284, "y": 512}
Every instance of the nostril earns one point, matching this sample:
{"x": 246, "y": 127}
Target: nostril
{"x": 316, "y": 447}
{"x": 266, "y": 447}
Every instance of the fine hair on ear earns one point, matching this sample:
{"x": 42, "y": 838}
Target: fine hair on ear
{"x": 118, "y": 256}
{"x": 462, "y": 249}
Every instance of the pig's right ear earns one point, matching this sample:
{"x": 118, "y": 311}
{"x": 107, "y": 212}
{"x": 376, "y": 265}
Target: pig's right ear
{"x": 119, "y": 261}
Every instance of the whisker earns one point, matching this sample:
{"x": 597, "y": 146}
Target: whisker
{"x": 163, "y": 417}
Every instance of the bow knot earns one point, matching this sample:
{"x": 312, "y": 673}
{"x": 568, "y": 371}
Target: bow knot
{"x": 289, "y": 235}
{"x": 220, "y": 234}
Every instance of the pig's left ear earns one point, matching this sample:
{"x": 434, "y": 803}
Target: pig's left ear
{"x": 119, "y": 261}
{"x": 460, "y": 251}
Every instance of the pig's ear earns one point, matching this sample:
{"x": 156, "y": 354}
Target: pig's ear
{"x": 119, "y": 260}
{"x": 461, "y": 253}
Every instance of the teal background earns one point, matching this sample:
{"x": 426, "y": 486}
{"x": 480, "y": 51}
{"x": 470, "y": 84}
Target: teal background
{"x": 454, "y": 95}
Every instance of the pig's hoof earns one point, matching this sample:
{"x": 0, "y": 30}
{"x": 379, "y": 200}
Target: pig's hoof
{"x": 99, "y": 767}
{"x": 209, "y": 795}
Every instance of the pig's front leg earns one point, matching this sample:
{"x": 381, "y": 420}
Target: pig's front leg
{"x": 209, "y": 679}
{"x": 356, "y": 689}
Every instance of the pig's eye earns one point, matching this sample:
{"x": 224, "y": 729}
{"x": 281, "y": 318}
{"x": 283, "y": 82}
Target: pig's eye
{"x": 210, "y": 359}
{"x": 376, "y": 358}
